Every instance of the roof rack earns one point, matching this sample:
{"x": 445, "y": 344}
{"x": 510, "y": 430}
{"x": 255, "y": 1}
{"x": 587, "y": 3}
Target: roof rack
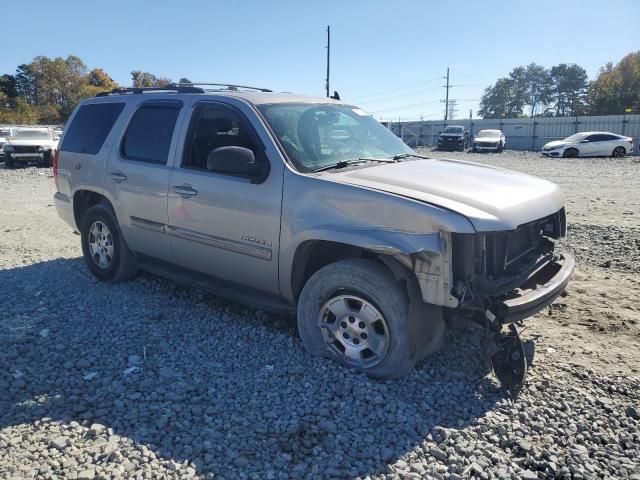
{"x": 229, "y": 86}
{"x": 173, "y": 87}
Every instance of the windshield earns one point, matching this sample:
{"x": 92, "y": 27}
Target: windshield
{"x": 32, "y": 134}
{"x": 318, "y": 135}
{"x": 453, "y": 130}
{"x": 576, "y": 137}
{"x": 488, "y": 134}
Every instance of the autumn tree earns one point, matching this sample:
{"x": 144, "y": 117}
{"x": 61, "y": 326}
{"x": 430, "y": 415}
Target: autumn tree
{"x": 617, "y": 88}
{"x": 48, "y": 89}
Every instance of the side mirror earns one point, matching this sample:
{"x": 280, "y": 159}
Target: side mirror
{"x": 234, "y": 161}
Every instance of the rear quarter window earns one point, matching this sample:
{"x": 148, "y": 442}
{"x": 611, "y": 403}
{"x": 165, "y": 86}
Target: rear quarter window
{"x": 90, "y": 127}
{"x": 149, "y": 134}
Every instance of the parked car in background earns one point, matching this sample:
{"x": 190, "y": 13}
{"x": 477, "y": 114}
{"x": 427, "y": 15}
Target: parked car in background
{"x": 489, "y": 141}
{"x": 5, "y": 134}
{"x": 590, "y": 144}
{"x": 266, "y": 198}
{"x": 454, "y": 137}
{"x": 30, "y": 144}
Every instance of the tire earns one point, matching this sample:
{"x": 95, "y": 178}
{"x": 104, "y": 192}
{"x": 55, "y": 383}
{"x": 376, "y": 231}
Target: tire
{"x": 570, "y": 153}
{"x": 372, "y": 312}
{"x": 474, "y": 150}
{"x": 500, "y": 148}
{"x": 108, "y": 258}
{"x": 46, "y": 160}
{"x": 8, "y": 162}
{"x": 619, "y": 152}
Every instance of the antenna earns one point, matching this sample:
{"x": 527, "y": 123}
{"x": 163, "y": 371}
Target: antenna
{"x": 328, "y": 56}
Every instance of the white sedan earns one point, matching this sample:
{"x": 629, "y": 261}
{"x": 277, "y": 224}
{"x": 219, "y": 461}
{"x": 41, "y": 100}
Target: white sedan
{"x": 489, "y": 141}
{"x": 590, "y": 144}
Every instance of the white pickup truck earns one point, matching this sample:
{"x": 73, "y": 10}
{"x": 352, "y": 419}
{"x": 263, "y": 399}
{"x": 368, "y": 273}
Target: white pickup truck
{"x": 30, "y": 144}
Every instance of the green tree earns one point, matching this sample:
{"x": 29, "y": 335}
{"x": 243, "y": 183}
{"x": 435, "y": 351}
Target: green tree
{"x": 617, "y": 88}
{"x": 525, "y": 87}
{"x": 569, "y": 89}
{"x": 498, "y": 100}
{"x": 146, "y": 79}
{"x": 537, "y": 86}
{"x": 184, "y": 80}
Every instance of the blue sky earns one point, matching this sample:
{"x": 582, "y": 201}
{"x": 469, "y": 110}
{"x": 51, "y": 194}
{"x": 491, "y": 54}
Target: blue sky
{"x": 387, "y": 56}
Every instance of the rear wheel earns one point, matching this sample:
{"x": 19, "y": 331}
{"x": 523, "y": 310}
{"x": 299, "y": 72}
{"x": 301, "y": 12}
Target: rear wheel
{"x": 619, "y": 152}
{"x": 46, "y": 159}
{"x": 355, "y": 312}
{"x": 103, "y": 247}
{"x": 570, "y": 153}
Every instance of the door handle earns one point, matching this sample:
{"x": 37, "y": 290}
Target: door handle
{"x": 185, "y": 190}
{"x": 118, "y": 177}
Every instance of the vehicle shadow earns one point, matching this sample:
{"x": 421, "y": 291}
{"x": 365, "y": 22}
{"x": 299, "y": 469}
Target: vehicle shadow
{"x": 213, "y": 385}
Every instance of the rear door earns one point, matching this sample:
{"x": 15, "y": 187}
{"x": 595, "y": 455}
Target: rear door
{"x": 224, "y": 225}
{"x": 137, "y": 175}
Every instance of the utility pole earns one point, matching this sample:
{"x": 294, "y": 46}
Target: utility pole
{"x": 446, "y": 101}
{"x": 328, "y": 56}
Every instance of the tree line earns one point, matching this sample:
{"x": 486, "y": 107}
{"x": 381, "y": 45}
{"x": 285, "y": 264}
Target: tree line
{"x": 47, "y": 90}
{"x": 565, "y": 90}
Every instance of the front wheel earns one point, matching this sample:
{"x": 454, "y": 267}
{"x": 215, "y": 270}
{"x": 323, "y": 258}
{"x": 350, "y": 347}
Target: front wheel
{"x": 8, "y": 162}
{"x": 619, "y": 152}
{"x": 355, "y": 312}
{"x": 103, "y": 247}
{"x": 570, "y": 153}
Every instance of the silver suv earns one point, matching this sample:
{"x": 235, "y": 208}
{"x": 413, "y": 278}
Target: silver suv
{"x": 310, "y": 206}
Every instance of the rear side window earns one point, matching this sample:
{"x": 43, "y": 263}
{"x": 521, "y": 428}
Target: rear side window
{"x": 90, "y": 127}
{"x": 148, "y": 136}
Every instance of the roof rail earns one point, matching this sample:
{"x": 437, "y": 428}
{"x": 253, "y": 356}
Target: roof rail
{"x": 230, "y": 86}
{"x": 173, "y": 87}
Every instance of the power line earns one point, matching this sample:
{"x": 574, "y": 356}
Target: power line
{"x": 395, "y": 89}
{"x": 397, "y": 96}
{"x": 406, "y": 106}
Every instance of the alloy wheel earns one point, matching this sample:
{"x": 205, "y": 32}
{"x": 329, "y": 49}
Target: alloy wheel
{"x": 354, "y": 330}
{"x": 100, "y": 244}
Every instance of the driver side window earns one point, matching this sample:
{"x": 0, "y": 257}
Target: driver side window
{"x": 214, "y": 127}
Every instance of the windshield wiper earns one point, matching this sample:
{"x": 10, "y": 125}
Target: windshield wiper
{"x": 400, "y": 156}
{"x": 353, "y": 161}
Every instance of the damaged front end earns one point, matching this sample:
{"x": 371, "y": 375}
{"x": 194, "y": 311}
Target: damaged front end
{"x": 508, "y": 276}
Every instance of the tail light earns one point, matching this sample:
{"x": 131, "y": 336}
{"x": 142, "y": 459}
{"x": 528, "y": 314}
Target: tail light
{"x": 55, "y": 168}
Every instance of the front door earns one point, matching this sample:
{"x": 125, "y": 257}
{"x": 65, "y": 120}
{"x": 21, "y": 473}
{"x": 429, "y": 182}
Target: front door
{"x": 137, "y": 176}
{"x": 224, "y": 225}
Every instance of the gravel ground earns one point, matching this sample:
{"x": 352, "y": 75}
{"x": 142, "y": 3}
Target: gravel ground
{"x": 149, "y": 379}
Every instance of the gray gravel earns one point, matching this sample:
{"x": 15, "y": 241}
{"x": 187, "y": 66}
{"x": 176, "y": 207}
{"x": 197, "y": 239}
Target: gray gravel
{"x": 150, "y": 379}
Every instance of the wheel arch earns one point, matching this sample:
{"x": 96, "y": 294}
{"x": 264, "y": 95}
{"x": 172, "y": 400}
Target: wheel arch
{"x": 83, "y": 199}
{"x": 313, "y": 254}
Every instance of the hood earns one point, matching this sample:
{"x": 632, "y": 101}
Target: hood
{"x": 554, "y": 144}
{"x": 456, "y": 135}
{"x": 487, "y": 139}
{"x": 491, "y": 198}
{"x": 30, "y": 142}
